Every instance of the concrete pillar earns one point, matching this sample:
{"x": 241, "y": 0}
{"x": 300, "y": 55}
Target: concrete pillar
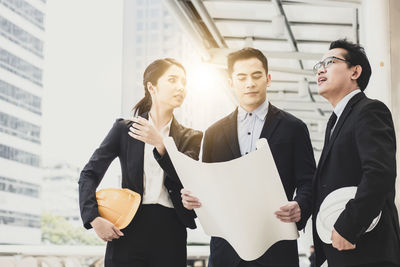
{"x": 380, "y": 35}
{"x": 394, "y": 9}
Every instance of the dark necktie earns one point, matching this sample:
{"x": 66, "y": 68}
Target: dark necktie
{"x": 329, "y": 126}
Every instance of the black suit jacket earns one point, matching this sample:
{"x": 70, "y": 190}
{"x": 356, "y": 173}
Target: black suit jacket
{"x": 291, "y": 149}
{"x": 131, "y": 155}
{"x": 361, "y": 152}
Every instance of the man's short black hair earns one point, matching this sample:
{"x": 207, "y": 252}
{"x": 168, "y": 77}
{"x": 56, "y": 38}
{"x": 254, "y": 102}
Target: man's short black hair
{"x": 246, "y": 53}
{"x": 355, "y": 56}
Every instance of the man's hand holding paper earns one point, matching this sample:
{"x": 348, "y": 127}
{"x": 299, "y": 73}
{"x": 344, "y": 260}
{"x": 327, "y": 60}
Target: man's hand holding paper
{"x": 242, "y": 211}
{"x": 291, "y": 212}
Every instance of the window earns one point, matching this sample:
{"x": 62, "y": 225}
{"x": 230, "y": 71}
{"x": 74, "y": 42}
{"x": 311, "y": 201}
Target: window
{"x": 19, "y": 187}
{"x": 21, "y": 37}
{"x": 20, "y": 98}
{"x": 20, "y": 156}
{"x": 20, "y": 67}
{"x": 20, "y": 219}
{"x": 16, "y": 127}
{"x": 25, "y": 10}
{"x": 166, "y": 25}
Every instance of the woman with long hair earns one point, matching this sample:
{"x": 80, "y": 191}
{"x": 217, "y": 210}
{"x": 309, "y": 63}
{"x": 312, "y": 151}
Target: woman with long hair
{"x": 156, "y": 237}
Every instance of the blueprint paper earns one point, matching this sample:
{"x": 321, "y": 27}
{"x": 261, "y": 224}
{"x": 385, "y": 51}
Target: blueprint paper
{"x": 238, "y": 197}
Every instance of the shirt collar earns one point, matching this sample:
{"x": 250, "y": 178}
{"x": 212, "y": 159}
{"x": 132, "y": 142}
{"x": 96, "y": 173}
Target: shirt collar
{"x": 260, "y": 112}
{"x": 165, "y": 130}
{"x": 342, "y": 103}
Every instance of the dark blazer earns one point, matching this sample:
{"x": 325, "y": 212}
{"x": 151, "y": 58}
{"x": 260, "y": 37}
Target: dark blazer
{"x": 131, "y": 155}
{"x": 361, "y": 152}
{"x": 291, "y": 149}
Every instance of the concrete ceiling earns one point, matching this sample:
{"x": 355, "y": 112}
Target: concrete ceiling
{"x": 293, "y": 34}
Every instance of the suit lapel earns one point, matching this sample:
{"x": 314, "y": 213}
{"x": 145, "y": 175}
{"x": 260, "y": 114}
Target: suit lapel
{"x": 271, "y": 122}
{"x": 231, "y": 134}
{"x": 342, "y": 119}
{"x": 176, "y": 133}
{"x": 135, "y": 160}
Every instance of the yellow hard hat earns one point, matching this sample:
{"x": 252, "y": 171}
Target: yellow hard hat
{"x": 118, "y": 206}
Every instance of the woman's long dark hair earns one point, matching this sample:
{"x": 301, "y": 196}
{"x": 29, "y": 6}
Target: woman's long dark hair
{"x": 152, "y": 73}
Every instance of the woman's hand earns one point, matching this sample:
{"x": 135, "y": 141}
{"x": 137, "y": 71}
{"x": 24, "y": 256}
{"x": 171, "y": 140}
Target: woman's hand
{"x": 142, "y": 130}
{"x": 105, "y": 229}
{"x": 189, "y": 201}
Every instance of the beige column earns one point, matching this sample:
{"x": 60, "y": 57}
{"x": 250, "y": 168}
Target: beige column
{"x": 394, "y": 9}
{"x": 380, "y": 35}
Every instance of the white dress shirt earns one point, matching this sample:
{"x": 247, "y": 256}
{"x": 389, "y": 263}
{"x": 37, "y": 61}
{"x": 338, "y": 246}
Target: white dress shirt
{"x": 249, "y": 127}
{"x": 342, "y": 104}
{"x": 155, "y": 191}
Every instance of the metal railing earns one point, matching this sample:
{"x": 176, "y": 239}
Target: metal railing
{"x": 75, "y": 256}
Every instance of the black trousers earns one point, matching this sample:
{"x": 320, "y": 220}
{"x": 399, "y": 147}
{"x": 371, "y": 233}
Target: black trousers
{"x": 249, "y": 264}
{"x": 378, "y": 264}
{"x": 256, "y": 264}
{"x": 154, "y": 238}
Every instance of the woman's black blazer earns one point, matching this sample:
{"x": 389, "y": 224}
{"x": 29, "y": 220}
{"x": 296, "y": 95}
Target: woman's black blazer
{"x": 131, "y": 154}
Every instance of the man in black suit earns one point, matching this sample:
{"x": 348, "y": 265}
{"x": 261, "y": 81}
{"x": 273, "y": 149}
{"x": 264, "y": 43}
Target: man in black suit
{"x": 236, "y": 135}
{"x": 359, "y": 150}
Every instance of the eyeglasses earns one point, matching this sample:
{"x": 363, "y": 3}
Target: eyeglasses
{"x": 326, "y": 63}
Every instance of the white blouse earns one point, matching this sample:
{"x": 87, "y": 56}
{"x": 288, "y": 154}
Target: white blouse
{"x": 155, "y": 191}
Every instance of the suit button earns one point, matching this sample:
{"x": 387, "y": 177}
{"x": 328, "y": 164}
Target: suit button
{"x": 324, "y": 185}
{"x": 170, "y": 191}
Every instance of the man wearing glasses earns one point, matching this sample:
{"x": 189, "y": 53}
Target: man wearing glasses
{"x": 359, "y": 150}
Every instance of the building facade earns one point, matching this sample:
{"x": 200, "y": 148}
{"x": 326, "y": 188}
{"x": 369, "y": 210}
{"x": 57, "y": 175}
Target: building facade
{"x": 59, "y": 194}
{"x": 21, "y": 85}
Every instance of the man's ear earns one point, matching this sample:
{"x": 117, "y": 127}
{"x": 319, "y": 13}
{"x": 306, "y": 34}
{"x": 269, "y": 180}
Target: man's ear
{"x": 268, "y": 80}
{"x": 357, "y": 70}
{"x": 230, "y": 82}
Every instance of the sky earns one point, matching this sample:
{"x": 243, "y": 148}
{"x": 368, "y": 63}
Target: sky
{"x": 82, "y": 77}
